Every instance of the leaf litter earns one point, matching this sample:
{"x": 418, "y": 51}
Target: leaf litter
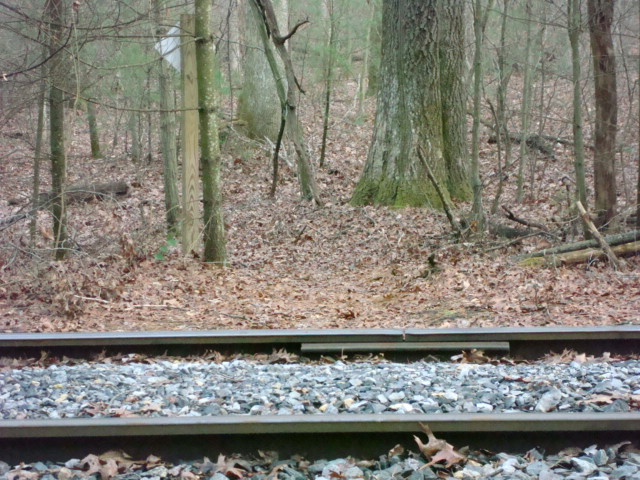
{"x": 292, "y": 264}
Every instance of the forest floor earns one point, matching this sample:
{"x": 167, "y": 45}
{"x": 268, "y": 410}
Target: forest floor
{"x": 293, "y": 264}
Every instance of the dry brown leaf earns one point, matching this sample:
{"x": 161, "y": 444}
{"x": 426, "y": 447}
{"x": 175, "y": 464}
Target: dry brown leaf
{"x": 397, "y": 450}
{"x": 228, "y": 467}
{"x": 602, "y": 399}
{"x": 437, "y": 450}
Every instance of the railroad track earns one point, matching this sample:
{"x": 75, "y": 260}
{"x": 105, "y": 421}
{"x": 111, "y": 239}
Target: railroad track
{"x": 364, "y": 435}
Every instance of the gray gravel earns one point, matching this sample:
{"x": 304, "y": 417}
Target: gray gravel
{"x": 170, "y": 387}
{"x": 593, "y": 462}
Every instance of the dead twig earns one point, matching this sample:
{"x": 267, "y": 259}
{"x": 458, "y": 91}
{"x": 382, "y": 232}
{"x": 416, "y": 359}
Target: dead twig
{"x": 511, "y": 216}
{"x": 448, "y": 208}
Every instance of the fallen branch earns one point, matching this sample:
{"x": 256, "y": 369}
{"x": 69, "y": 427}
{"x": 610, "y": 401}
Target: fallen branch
{"x": 612, "y": 240}
{"x": 7, "y": 222}
{"x": 581, "y": 256}
{"x": 448, "y": 208}
{"x": 511, "y": 216}
{"x": 617, "y": 264}
{"x": 533, "y": 141}
{"x": 79, "y": 193}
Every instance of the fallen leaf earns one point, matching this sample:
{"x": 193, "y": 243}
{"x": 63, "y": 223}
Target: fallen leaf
{"x": 437, "y": 450}
{"x": 228, "y": 467}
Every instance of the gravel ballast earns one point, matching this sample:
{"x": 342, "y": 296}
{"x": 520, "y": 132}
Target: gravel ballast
{"x": 171, "y": 387}
{"x": 618, "y": 462}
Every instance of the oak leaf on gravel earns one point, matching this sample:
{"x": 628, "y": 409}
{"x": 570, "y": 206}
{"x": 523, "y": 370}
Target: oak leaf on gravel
{"x": 437, "y": 450}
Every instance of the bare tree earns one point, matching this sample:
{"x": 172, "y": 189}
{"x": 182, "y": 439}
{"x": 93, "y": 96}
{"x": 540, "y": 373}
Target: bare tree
{"x": 56, "y": 13}
{"x": 606, "y": 98}
{"x": 214, "y": 238}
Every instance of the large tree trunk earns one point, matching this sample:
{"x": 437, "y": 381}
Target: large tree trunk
{"x": 214, "y": 240}
{"x": 604, "y": 66}
{"x": 55, "y": 11}
{"x": 410, "y": 111}
{"x": 454, "y": 98}
{"x": 258, "y": 107}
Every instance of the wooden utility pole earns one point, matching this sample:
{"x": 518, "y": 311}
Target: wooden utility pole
{"x": 190, "y": 167}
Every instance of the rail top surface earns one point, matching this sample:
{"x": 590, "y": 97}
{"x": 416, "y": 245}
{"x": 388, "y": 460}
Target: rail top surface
{"x": 626, "y": 332}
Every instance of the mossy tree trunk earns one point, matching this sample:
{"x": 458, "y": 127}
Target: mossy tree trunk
{"x": 418, "y": 106}
{"x": 215, "y": 250}
{"x": 55, "y": 12}
{"x": 606, "y": 124}
{"x": 574, "y": 30}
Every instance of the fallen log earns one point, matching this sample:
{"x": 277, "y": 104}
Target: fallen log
{"x": 533, "y": 141}
{"x": 85, "y": 193}
{"x": 612, "y": 240}
{"x": 580, "y": 256}
{"x": 79, "y": 193}
{"x": 74, "y": 194}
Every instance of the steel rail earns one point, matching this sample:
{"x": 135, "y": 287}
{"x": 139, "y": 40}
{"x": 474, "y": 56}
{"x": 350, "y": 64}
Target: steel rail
{"x": 321, "y": 423}
{"x": 315, "y": 436}
{"x": 523, "y": 342}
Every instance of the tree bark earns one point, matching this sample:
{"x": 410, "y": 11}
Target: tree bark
{"x": 573, "y": 14}
{"x": 451, "y": 51}
{"x": 210, "y": 161}
{"x": 604, "y": 66}
{"x": 410, "y": 111}
{"x": 94, "y": 137}
{"x": 256, "y": 106}
{"x": 55, "y": 10}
